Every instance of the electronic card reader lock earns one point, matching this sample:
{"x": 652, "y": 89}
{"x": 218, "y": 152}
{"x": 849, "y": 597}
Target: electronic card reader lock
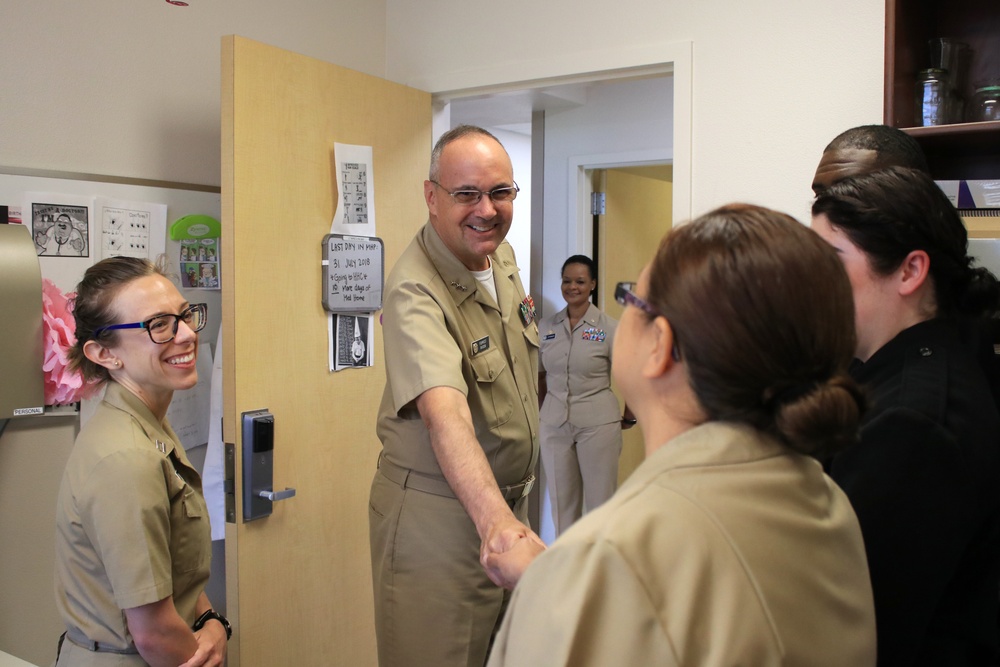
{"x": 259, "y": 495}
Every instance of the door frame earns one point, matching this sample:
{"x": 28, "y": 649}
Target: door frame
{"x": 580, "y": 188}
{"x": 675, "y": 59}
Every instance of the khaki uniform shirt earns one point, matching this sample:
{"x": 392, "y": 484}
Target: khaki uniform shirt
{"x": 442, "y": 330}
{"x": 723, "y": 548}
{"x": 577, "y": 367}
{"x": 131, "y": 524}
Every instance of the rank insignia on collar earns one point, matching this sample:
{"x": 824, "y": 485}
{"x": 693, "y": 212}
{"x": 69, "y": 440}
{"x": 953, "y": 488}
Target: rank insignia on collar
{"x": 527, "y": 309}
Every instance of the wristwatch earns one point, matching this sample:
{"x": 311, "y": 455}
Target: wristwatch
{"x": 208, "y": 616}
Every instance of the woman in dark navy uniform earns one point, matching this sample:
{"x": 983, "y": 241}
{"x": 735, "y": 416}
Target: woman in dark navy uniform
{"x": 924, "y": 477}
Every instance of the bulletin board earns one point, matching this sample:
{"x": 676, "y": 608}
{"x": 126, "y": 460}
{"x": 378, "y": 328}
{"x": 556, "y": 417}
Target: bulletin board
{"x": 179, "y": 202}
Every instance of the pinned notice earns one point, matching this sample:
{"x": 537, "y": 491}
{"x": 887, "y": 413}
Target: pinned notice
{"x": 353, "y": 274}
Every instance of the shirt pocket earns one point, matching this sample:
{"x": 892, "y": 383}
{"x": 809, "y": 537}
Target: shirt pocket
{"x": 531, "y": 337}
{"x": 495, "y": 389}
{"x": 190, "y": 535}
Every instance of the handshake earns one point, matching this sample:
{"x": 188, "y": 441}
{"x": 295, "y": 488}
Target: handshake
{"x": 508, "y": 550}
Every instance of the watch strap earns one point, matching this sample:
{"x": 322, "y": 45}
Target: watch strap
{"x": 210, "y": 615}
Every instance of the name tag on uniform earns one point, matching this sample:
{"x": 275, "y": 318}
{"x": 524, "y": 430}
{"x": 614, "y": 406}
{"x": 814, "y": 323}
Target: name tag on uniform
{"x": 549, "y": 336}
{"x": 480, "y": 345}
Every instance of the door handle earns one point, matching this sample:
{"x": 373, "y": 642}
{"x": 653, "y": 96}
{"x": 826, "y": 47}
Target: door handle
{"x": 275, "y": 496}
{"x": 259, "y": 495}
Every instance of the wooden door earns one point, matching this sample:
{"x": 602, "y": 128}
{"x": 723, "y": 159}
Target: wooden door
{"x": 638, "y": 213}
{"x": 299, "y": 581}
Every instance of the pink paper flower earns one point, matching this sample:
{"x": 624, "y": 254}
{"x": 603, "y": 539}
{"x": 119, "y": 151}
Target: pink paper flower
{"x": 61, "y": 385}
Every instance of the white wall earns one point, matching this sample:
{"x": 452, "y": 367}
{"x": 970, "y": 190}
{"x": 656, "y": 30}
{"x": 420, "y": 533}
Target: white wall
{"x": 620, "y": 118}
{"x": 519, "y": 148}
{"x": 773, "y": 80}
{"x": 131, "y": 88}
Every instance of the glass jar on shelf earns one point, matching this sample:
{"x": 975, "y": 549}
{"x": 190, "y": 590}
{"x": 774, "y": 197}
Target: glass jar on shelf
{"x": 985, "y": 103}
{"x": 932, "y": 97}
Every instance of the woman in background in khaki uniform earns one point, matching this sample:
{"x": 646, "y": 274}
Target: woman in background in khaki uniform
{"x": 133, "y": 545}
{"x": 581, "y": 427}
{"x": 728, "y": 545}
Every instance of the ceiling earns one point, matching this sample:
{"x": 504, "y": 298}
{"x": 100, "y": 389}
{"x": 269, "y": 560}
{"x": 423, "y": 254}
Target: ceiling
{"x": 511, "y": 110}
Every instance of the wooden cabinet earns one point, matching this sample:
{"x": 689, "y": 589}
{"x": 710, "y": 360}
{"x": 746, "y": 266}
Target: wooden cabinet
{"x": 961, "y": 150}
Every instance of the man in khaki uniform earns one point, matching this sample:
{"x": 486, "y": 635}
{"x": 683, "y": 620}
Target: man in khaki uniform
{"x": 459, "y": 417}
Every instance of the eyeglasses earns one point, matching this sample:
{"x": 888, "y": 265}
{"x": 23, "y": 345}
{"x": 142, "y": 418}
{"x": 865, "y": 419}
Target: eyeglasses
{"x": 470, "y": 197}
{"x": 625, "y": 295}
{"x": 163, "y": 328}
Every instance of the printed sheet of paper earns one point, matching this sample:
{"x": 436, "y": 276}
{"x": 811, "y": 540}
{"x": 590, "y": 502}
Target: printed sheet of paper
{"x": 353, "y": 338}
{"x": 214, "y": 472}
{"x": 188, "y": 411}
{"x": 62, "y": 227}
{"x": 130, "y": 229}
{"x": 355, "y": 216}
{"x": 199, "y": 262}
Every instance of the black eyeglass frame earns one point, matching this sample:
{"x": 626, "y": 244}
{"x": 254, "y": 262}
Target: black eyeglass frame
{"x": 626, "y": 297}
{"x": 188, "y": 313}
{"x": 456, "y": 194}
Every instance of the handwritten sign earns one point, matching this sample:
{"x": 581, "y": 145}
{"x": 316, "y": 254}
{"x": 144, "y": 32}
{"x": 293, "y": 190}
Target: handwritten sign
{"x": 353, "y": 273}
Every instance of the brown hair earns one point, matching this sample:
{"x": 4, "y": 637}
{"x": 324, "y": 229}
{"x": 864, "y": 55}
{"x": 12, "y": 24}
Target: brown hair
{"x": 94, "y": 307}
{"x": 764, "y": 319}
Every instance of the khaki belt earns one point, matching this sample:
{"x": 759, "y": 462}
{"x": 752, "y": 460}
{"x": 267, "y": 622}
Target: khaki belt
{"x": 100, "y": 648}
{"x": 411, "y": 479}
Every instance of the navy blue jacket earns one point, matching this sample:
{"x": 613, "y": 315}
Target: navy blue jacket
{"x": 924, "y": 480}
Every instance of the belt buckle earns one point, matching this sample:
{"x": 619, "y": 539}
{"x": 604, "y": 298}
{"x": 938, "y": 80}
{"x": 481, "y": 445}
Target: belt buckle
{"x": 530, "y": 482}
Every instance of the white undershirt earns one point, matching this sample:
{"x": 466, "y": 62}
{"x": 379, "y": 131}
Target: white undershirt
{"x": 485, "y": 279}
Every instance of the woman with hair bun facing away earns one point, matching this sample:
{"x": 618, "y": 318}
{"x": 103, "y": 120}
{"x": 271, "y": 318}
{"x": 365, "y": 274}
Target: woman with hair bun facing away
{"x": 923, "y": 479}
{"x": 728, "y": 545}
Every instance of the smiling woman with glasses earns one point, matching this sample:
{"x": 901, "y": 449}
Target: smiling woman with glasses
{"x": 133, "y": 546}
{"x": 163, "y": 328}
{"x": 728, "y": 545}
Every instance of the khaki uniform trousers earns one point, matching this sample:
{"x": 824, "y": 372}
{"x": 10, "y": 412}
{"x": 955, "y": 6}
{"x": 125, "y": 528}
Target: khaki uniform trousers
{"x": 434, "y": 604}
{"x": 581, "y": 468}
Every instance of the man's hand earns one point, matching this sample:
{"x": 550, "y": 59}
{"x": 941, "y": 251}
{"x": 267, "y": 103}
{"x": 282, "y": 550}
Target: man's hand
{"x": 505, "y": 568}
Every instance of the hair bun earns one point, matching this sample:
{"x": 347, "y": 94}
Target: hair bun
{"x": 981, "y": 296}
{"x": 821, "y": 417}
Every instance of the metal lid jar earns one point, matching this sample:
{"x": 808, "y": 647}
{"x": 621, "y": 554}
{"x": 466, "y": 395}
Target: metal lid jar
{"x": 986, "y": 103}
{"x": 932, "y": 97}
